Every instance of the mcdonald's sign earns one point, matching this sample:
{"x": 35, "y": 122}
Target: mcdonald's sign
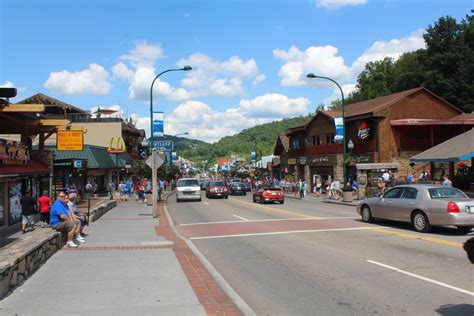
{"x": 116, "y": 146}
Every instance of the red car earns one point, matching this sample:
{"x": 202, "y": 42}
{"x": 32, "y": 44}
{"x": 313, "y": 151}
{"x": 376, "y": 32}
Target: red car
{"x": 217, "y": 189}
{"x": 267, "y": 194}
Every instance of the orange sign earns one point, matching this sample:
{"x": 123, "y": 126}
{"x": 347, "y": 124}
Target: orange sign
{"x": 70, "y": 140}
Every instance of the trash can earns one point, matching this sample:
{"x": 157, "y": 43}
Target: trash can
{"x": 149, "y": 199}
{"x": 347, "y": 195}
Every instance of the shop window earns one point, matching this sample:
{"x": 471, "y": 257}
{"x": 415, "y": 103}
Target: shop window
{"x": 306, "y": 142}
{"x": 330, "y": 138}
{"x": 318, "y": 140}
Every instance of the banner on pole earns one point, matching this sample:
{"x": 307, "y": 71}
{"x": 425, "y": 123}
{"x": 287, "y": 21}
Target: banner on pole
{"x": 339, "y": 123}
{"x": 173, "y": 156}
{"x": 158, "y": 124}
{"x": 253, "y": 155}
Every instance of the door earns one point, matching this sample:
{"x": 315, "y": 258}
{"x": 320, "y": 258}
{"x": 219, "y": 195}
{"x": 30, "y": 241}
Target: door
{"x": 407, "y": 205}
{"x": 386, "y": 204}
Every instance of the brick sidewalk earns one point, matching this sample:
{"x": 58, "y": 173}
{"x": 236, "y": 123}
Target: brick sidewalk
{"x": 214, "y": 300}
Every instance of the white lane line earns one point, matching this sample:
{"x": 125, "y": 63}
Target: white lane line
{"x": 273, "y": 220}
{"x": 281, "y": 233}
{"x": 244, "y": 219}
{"x": 207, "y": 203}
{"x": 423, "y": 278}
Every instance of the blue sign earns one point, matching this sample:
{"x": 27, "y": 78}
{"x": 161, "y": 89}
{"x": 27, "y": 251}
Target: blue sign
{"x": 173, "y": 156}
{"x": 339, "y": 122}
{"x": 253, "y": 155}
{"x": 164, "y": 145}
{"x": 158, "y": 124}
{"x": 78, "y": 164}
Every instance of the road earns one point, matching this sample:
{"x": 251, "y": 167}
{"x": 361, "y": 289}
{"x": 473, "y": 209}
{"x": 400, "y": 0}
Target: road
{"x": 308, "y": 257}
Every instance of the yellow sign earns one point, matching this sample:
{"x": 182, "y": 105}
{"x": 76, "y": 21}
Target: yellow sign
{"x": 70, "y": 140}
{"x": 13, "y": 153}
{"x": 291, "y": 161}
{"x": 117, "y": 148}
{"x": 252, "y": 174}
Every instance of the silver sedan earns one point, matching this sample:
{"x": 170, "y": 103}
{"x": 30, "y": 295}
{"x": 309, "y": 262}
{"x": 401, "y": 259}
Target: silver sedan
{"x": 422, "y": 205}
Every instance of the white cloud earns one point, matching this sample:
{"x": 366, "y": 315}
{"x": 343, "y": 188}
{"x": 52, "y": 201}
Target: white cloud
{"x": 336, "y": 94}
{"x": 202, "y": 122}
{"x": 94, "y": 80}
{"x": 117, "y": 108}
{"x": 143, "y": 55}
{"x": 121, "y": 70}
{"x": 324, "y": 60}
{"x": 7, "y": 84}
{"x": 335, "y": 4}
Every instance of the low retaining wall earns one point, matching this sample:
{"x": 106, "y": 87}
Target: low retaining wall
{"x": 20, "y": 259}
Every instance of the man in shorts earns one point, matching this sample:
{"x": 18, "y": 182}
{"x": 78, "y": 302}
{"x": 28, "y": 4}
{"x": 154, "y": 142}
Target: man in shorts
{"x": 28, "y": 208}
{"x": 61, "y": 221}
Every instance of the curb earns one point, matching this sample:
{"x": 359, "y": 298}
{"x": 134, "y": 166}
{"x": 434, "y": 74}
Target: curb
{"x": 241, "y": 304}
{"x": 339, "y": 203}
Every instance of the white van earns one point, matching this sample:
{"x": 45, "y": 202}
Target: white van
{"x": 188, "y": 189}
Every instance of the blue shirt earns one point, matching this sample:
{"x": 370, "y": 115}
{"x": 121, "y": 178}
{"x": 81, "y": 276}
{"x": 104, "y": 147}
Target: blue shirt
{"x": 57, "y": 209}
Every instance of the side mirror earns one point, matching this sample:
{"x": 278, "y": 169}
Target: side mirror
{"x": 379, "y": 195}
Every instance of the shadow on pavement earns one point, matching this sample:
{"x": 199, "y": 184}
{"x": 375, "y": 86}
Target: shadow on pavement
{"x": 459, "y": 310}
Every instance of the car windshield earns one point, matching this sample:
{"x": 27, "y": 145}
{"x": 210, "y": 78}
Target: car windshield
{"x": 188, "y": 183}
{"x": 218, "y": 184}
{"x": 441, "y": 193}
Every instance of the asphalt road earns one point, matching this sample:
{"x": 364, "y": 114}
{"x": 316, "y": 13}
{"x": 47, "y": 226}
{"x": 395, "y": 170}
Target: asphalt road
{"x": 312, "y": 258}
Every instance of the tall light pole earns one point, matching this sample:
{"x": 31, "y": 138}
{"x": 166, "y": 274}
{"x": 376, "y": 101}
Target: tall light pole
{"x": 154, "y": 153}
{"x": 344, "y": 162}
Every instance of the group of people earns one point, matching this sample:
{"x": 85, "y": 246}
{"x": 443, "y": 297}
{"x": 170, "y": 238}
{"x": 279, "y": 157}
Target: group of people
{"x": 61, "y": 215}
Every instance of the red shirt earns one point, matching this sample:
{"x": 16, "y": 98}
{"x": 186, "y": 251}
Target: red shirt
{"x": 44, "y": 204}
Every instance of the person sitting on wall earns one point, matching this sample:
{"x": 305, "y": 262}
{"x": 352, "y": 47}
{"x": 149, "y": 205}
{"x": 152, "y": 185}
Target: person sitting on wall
{"x": 61, "y": 221}
{"x": 76, "y": 214}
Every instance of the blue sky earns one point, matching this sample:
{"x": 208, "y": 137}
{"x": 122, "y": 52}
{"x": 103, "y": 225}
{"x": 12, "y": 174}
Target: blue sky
{"x": 249, "y": 58}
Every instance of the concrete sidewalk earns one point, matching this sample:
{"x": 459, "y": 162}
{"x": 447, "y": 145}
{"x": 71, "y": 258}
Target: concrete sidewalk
{"x": 124, "y": 268}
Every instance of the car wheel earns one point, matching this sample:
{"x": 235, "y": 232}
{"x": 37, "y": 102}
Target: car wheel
{"x": 282, "y": 202}
{"x": 178, "y": 200}
{"x": 226, "y": 197}
{"x": 420, "y": 222}
{"x": 254, "y": 200}
{"x": 245, "y": 193}
{"x": 464, "y": 229}
{"x": 366, "y": 214}
{"x": 199, "y": 200}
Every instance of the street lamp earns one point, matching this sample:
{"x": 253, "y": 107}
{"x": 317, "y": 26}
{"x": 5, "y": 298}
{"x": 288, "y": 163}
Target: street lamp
{"x": 313, "y": 76}
{"x": 153, "y": 152}
{"x": 350, "y": 145}
{"x": 185, "y": 68}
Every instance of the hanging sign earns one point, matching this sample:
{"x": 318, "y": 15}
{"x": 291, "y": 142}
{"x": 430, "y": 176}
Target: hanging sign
{"x": 363, "y": 131}
{"x": 339, "y": 123}
{"x": 13, "y": 153}
{"x": 158, "y": 124}
{"x": 70, "y": 140}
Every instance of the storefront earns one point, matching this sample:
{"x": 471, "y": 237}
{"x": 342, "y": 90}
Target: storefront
{"x": 322, "y": 167}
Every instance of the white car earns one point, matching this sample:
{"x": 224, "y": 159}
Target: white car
{"x": 188, "y": 189}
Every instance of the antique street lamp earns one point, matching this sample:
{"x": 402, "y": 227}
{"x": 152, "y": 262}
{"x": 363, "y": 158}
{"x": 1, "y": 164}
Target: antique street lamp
{"x": 313, "y": 76}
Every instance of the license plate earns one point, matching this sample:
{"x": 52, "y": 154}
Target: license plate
{"x": 218, "y": 194}
{"x": 274, "y": 193}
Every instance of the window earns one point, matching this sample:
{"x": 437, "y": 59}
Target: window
{"x": 409, "y": 193}
{"x": 440, "y": 193}
{"x": 188, "y": 183}
{"x": 393, "y": 193}
{"x": 295, "y": 143}
{"x": 314, "y": 140}
{"x": 306, "y": 142}
{"x": 318, "y": 140}
{"x": 330, "y": 138}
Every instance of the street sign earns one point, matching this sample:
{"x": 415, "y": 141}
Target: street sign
{"x": 78, "y": 164}
{"x": 158, "y": 162}
{"x": 163, "y": 145}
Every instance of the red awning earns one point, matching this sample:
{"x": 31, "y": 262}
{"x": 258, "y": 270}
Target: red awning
{"x": 428, "y": 122}
{"x": 34, "y": 167}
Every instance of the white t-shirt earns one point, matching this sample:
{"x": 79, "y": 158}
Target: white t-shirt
{"x": 447, "y": 183}
{"x": 386, "y": 177}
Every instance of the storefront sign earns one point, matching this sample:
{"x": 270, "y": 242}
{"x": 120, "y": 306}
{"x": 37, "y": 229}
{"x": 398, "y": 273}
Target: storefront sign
{"x": 13, "y": 153}
{"x": 339, "y": 123}
{"x": 326, "y": 160}
{"x": 116, "y": 146}
{"x": 363, "y": 131}
{"x": 291, "y": 161}
{"x": 362, "y": 159}
{"x": 164, "y": 145}
{"x": 302, "y": 160}
{"x": 70, "y": 140}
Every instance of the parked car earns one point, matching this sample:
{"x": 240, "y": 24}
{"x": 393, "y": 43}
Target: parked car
{"x": 422, "y": 205}
{"x": 268, "y": 194}
{"x": 237, "y": 188}
{"x": 217, "y": 189}
{"x": 188, "y": 189}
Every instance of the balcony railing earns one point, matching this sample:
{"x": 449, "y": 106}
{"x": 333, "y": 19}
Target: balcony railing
{"x": 359, "y": 148}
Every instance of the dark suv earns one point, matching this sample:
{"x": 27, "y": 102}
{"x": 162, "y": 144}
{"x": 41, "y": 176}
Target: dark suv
{"x": 237, "y": 188}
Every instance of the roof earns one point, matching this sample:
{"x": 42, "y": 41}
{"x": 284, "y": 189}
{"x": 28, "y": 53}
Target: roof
{"x": 377, "y": 104}
{"x": 97, "y": 157}
{"x": 464, "y": 116}
{"x": 284, "y": 141}
{"x": 456, "y": 149}
{"x": 425, "y": 122}
{"x": 33, "y": 167}
{"x": 47, "y": 100}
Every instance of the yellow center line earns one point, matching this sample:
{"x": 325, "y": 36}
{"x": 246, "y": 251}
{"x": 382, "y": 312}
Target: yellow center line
{"x": 412, "y": 236}
{"x": 274, "y": 209}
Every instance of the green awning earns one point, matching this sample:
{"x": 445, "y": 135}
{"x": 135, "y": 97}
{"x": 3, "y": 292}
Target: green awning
{"x": 97, "y": 157}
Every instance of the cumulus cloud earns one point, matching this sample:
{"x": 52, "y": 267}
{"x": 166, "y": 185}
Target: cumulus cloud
{"x": 325, "y": 61}
{"x": 121, "y": 70}
{"x": 336, "y": 94}
{"x": 336, "y": 4}
{"x": 203, "y": 122}
{"x": 94, "y": 80}
{"x": 7, "y": 84}
{"x": 143, "y": 55}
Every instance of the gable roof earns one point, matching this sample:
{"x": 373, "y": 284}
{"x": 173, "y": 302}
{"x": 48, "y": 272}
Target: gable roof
{"x": 377, "y": 104}
{"x": 47, "y": 100}
{"x": 284, "y": 141}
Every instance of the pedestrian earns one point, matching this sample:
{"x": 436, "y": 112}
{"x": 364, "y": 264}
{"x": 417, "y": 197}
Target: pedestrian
{"x": 303, "y": 190}
{"x": 111, "y": 187}
{"x": 318, "y": 187}
{"x": 355, "y": 186}
{"x": 61, "y": 221}
{"x": 28, "y": 209}
{"x": 447, "y": 182}
{"x": 165, "y": 184}
{"x": 410, "y": 179}
{"x": 44, "y": 203}
{"x": 88, "y": 188}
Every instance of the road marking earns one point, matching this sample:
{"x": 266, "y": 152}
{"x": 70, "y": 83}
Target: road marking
{"x": 281, "y": 233}
{"x": 244, "y": 219}
{"x": 423, "y": 278}
{"x": 274, "y": 209}
{"x": 272, "y": 220}
{"x": 413, "y": 236}
{"x": 207, "y": 203}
